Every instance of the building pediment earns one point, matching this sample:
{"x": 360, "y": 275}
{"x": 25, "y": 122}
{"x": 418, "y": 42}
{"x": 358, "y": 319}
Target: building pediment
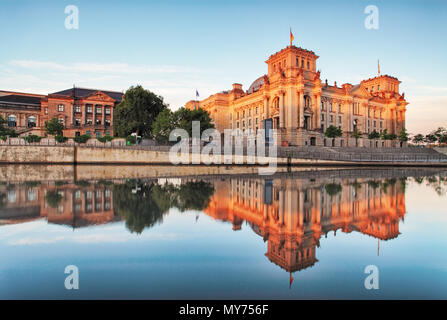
{"x": 360, "y": 91}
{"x": 99, "y": 96}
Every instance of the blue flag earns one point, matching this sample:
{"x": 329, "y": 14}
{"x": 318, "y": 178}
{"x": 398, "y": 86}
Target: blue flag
{"x": 197, "y": 93}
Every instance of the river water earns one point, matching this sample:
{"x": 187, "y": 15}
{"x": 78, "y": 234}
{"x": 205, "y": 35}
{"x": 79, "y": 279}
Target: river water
{"x": 292, "y": 235}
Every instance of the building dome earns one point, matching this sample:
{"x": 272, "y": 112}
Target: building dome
{"x": 258, "y": 83}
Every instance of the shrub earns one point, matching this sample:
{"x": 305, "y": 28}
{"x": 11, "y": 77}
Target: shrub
{"x": 32, "y": 138}
{"x": 131, "y": 139}
{"x": 60, "y": 138}
{"x": 105, "y": 138}
{"x": 3, "y": 138}
{"x": 81, "y": 139}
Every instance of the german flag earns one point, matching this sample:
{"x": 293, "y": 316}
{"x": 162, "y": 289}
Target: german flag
{"x": 291, "y": 37}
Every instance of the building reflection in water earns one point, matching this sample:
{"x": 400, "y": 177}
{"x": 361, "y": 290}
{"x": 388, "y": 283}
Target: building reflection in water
{"x": 290, "y": 214}
{"x": 293, "y": 214}
{"x": 71, "y": 204}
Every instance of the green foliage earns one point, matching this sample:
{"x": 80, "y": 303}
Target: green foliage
{"x": 403, "y": 135}
{"x": 374, "y": 135}
{"x": 333, "y": 189}
{"x": 144, "y": 205}
{"x": 374, "y": 184}
{"x": 356, "y": 134}
{"x": 32, "y": 138}
{"x": 5, "y": 131}
{"x": 54, "y": 127}
{"x": 106, "y": 138}
{"x": 163, "y": 125}
{"x": 131, "y": 139}
{"x": 3, "y": 138}
{"x": 137, "y": 112}
{"x": 53, "y": 198}
{"x": 431, "y": 138}
{"x": 81, "y": 139}
{"x": 180, "y": 119}
{"x": 333, "y": 132}
{"x": 60, "y": 138}
{"x": 388, "y": 136}
{"x": 418, "y": 139}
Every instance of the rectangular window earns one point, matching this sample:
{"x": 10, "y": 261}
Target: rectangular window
{"x": 89, "y": 121}
{"x": 98, "y": 110}
{"x": 89, "y": 109}
{"x": 60, "y": 108}
{"x": 107, "y": 123}
{"x": 107, "y": 111}
{"x": 332, "y": 119}
{"x": 46, "y": 110}
{"x": 78, "y": 109}
{"x": 339, "y": 120}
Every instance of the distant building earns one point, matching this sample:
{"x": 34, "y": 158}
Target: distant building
{"x": 292, "y": 99}
{"x": 80, "y": 110}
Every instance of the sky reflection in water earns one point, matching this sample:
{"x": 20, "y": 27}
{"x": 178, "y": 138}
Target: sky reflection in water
{"x": 296, "y": 236}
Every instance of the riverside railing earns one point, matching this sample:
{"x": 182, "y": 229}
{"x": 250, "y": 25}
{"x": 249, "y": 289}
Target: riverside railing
{"x": 317, "y": 153}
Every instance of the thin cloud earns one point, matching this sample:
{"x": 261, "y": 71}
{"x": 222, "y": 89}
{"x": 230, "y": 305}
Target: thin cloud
{"x": 113, "y": 68}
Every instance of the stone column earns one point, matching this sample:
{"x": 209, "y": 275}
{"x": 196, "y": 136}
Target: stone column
{"x": 318, "y": 112}
{"x": 266, "y": 107}
{"x": 281, "y": 110}
{"x": 301, "y": 109}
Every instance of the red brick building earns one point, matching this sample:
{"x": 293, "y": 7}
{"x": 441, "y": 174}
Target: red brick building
{"x": 80, "y": 110}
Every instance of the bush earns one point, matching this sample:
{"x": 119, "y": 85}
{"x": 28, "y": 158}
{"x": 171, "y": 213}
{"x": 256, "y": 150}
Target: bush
{"x": 131, "y": 139}
{"x": 3, "y": 138}
{"x": 60, "y": 138}
{"x": 106, "y": 138}
{"x": 32, "y": 138}
{"x": 81, "y": 139}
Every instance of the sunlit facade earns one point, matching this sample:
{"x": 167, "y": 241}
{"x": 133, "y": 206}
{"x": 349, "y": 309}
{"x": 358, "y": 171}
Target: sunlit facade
{"x": 292, "y": 99}
{"x": 292, "y": 215}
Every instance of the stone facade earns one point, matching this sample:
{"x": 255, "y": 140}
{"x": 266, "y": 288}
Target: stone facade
{"x": 300, "y": 107}
{"x": 81, "y": 111}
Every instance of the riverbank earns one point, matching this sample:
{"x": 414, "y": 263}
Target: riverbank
{"x": 313, "y": 156}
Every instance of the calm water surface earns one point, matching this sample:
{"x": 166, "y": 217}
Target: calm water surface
{"x": 287, "y": 236}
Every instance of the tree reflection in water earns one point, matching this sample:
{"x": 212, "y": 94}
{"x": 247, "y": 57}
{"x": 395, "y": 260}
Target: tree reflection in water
{"x": 142, "y": 205}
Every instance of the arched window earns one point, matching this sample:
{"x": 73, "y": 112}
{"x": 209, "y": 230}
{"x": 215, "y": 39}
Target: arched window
{"x": 306, "y": 101}
{"x": 12, "y": 121}
{"x": 31, "y": 122}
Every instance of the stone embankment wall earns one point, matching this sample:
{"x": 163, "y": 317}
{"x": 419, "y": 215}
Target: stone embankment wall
{"x": 38, "y": 154}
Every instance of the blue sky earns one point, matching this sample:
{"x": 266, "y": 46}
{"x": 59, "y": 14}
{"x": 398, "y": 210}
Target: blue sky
{"x": 174, "y": 47}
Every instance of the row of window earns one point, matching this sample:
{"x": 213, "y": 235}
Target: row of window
{"x": 30, "y": 121}
{"x": 89, "y": 109}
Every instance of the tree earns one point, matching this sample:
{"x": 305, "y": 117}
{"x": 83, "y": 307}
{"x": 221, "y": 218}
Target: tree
{"x": 4, "y": 131}
{"x": 357, "y": 135}
{"x": 333, "y": 189}
{"x": 167, "y": 121}
{"x": 418, "y": 139}
{"x": 439, "y": 133}
{"x": 373, "y": 135}
{"x": 403, "y": 135}
{"x": 137, "y": 112}
{"x": 430, "y": 138}
{"x": 163, "y": 125}
{"x": 54, "y": 127}
{"x": 333, "y": 132}
{"x": 384, "y": 135}
{"x": 185, "y": 118}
